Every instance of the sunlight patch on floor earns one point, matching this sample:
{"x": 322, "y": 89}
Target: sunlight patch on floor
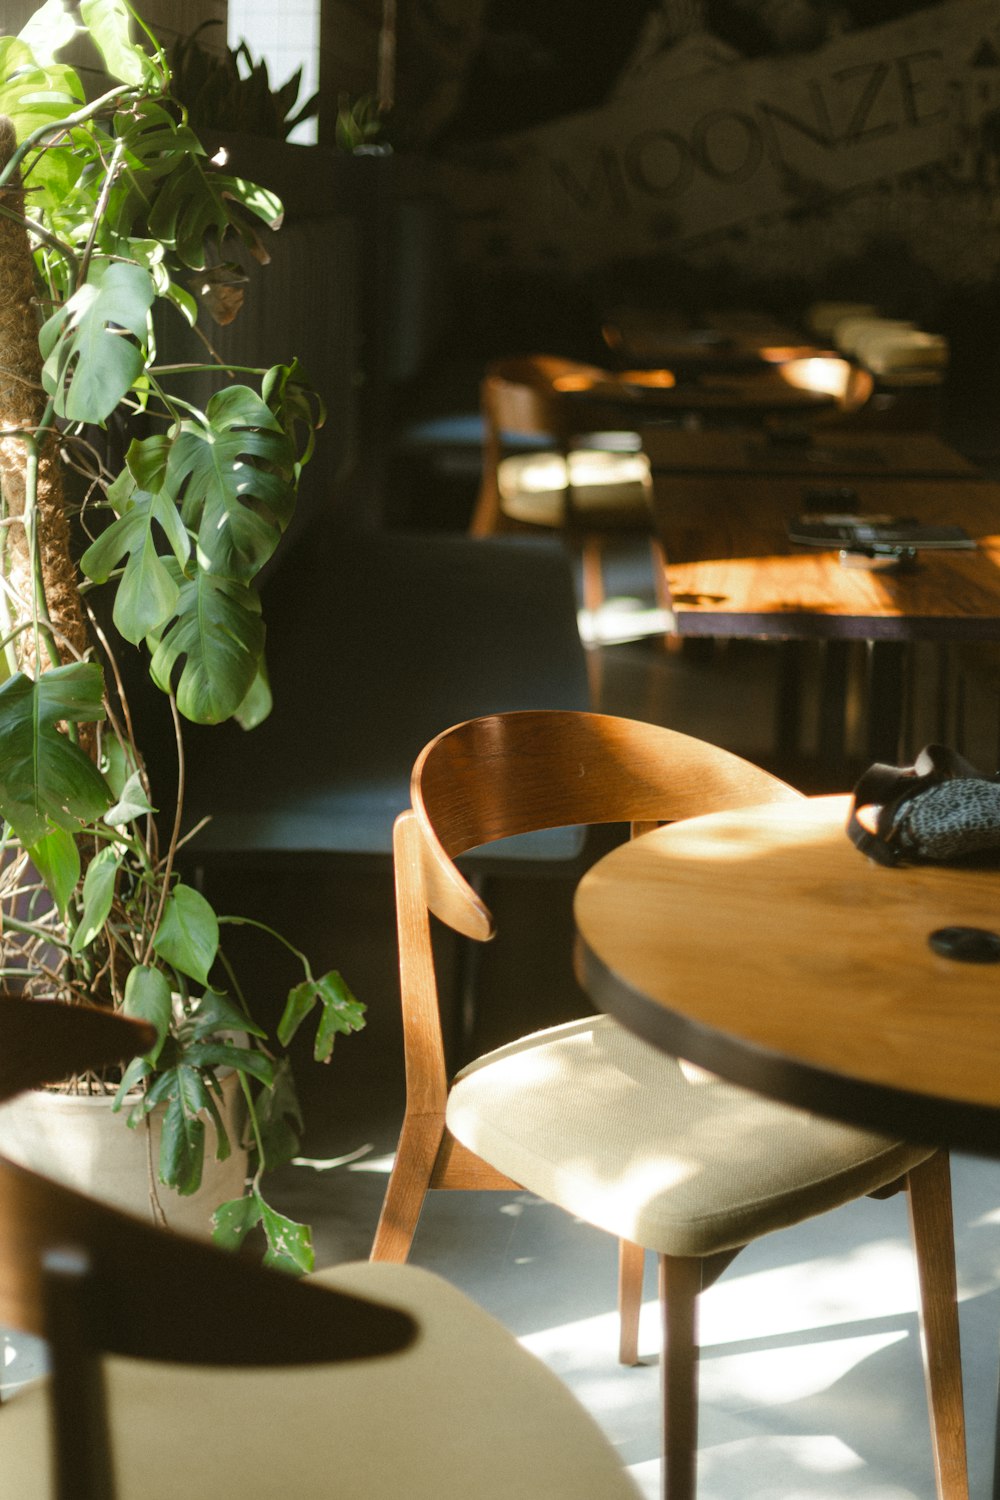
{"x": 775, "y": 1377}
{"x": 821, "y": 1466}
{"x": 872, "y": 1281}
{"x": 381, "y": 1164}
{"x": 876, "y": 1280}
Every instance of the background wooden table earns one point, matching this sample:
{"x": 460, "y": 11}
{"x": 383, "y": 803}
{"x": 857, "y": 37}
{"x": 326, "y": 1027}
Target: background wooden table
{"x": 818, "y": 455}
{"x": 720, "y": 340}
{"x": 731, "y": 571}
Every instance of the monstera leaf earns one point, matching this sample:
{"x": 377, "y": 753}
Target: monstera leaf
{"x": 44, "y": 778}
{"x": 218, "y": 634}
{"x": 238, "y": 507}
{"x": 194, "y": 208}
{"x": 33, "y": 96}
{"x": 90, "y": 363}
{"x": 109, "y": 23}
{"x": 147, "y": 592}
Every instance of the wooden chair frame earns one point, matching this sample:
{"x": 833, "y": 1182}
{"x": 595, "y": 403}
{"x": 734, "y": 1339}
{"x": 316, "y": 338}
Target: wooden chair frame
{"x": 512, "y": 773}
{"x": 524, "y": 395}
{"x": 92, "y": 1280}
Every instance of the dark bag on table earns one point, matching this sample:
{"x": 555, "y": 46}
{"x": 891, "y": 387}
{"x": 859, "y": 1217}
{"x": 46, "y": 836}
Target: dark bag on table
{"x": 939, "y": 809}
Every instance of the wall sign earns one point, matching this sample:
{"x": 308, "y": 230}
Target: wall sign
{"x": 889, "y": 132}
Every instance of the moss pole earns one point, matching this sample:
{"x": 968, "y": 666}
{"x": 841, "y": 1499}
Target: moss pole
{"x": 23, "y": 410}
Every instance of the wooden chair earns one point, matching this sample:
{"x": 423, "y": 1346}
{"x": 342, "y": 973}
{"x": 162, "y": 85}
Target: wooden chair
{"x": 43, "y": 1042}
{"x": 180, "y": 1369}
{"x": 590, "y": 1117}
{"x": 585, "y": 484}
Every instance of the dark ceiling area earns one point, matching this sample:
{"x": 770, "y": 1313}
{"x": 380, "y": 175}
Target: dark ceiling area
{"x": 541, "y": 59}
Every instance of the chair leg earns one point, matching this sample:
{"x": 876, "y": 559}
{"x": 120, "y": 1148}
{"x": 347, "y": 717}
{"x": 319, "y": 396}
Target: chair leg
{"x": 658, "y": 562}
{"x": 932, "y": 1231}
{"x": 419, "y": 1143}
{"x": 591, "y": 554}
{"x": 680, "y": 1283}
{"x": 631, "y": 1261}
{"x": 593, "y": 574}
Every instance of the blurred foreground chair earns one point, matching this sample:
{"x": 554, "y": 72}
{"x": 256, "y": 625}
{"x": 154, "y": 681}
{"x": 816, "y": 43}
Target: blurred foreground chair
{"x": 589, "y": 1116}
{"x": 587, "y": 485}
{"x": 179, "y": 1369}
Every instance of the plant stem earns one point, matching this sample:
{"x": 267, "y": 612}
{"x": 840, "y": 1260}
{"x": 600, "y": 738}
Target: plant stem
{"x": 174, "y": 832}
{"x": 214, "y": 369}
{"x": 60, "y": 127}
{"x": 99, "y": 211}
{"x": 45, "y": 235}
{"x": 30, "y": 930}
{"x": 263, "y": 927}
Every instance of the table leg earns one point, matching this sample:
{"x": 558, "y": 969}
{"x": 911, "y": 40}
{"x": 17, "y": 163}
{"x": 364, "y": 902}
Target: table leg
{"x": 887, "y": 672}
{"x": 833, "y": 702}
{"x": 788, "y": 706}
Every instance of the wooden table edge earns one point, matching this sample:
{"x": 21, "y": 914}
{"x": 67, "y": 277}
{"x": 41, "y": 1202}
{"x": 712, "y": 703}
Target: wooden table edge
{"x": 803, "y": 625}
{"x": 919, "y": 1118}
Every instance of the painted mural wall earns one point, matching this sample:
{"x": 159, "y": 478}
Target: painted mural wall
{"x": 872, "y": 154}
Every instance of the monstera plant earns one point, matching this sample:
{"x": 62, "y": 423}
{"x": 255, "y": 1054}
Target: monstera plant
{"x": 112, "y": 221}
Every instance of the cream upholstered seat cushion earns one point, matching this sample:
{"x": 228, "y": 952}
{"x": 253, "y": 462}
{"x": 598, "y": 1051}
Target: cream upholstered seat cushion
{"x": 533, "y": 486}
{"x": 465, "y": 1414}
{"x": 656, "y": 1151}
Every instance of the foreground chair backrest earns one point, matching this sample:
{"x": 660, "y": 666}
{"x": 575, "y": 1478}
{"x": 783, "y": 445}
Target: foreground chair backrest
{"x": 44, "y": 1042}
{"x": 180, "y": 1369}
{"x": 591, "y": 1118}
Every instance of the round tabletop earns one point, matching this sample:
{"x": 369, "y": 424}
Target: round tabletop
{"x": 761, "y": 944}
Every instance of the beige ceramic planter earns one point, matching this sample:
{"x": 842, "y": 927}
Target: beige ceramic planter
{"x": 77, "y": 1140}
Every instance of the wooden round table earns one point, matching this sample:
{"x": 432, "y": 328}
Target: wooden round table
{"x": 762, "y": 945}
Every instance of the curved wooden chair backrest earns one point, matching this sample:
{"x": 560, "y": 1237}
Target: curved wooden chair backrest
{"x": 92, "y": 1280}
{"x": 159, "y": 1296}
{"x": 42, "y": 1041}
{"x": 534, "y": 394}
{"x": 510, "y": 406}
{"x": 164, "y": 1297}
{"x": 529, "y": 395}
{"x": 513, "y": 773}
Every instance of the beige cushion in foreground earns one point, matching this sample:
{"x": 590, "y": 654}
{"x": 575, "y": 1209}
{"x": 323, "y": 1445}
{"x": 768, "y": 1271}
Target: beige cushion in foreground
{"x": 467, "y": 1414}
{"x": 592, "y": 1118}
